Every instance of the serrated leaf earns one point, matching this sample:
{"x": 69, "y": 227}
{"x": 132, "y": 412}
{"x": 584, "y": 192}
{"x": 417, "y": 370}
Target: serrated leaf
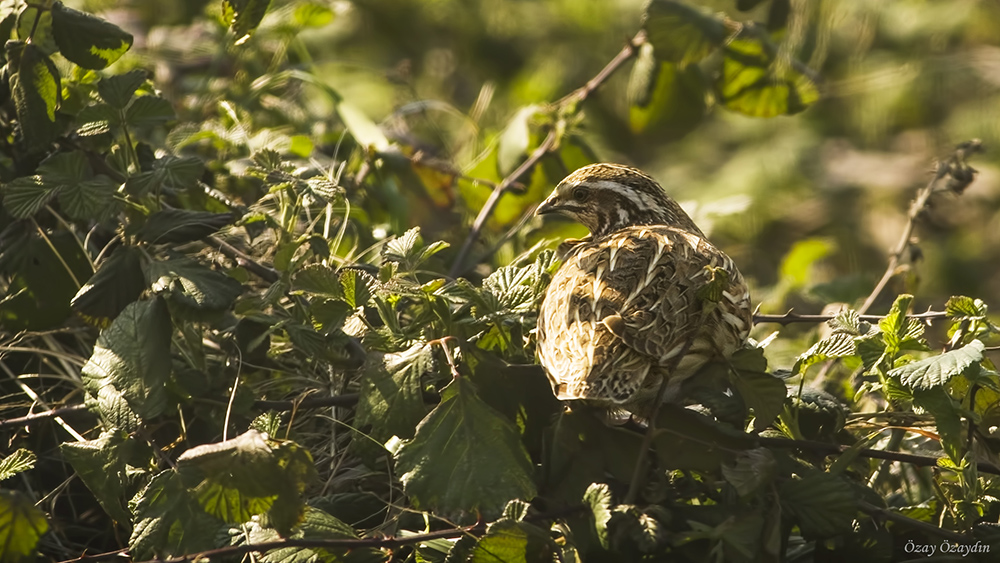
{"x": 598, "y": 498}
{"x": 249, "y": 475}
{"x": 682, "y": 33}
{"x": 362, "y": 128}
{"x": 21, "y": 526}
{"x": 97, "y": 119}
{"x": 753, "y": 469}
{"x": 404, "y": 248}
{"x": 35, "y": 87}
{"x": 193, "y": 285}
{"x": 947, "y": 419}
{"x": 512, "y": 147}
{"x": 752, "y": 83}
{"x": 315, "y": 525}
{"x": 100, "y": 464}
{"x": 837, "y": 345}
{"x": 357, "y": 287}
{"x": 318, "y": 279}
{"x": 148, "y": 110}
{"x": 822, "y": 504}
{"x": 88, "y": 40}
{"x": 169, "y": 521}
{"x": 17, "y": 462}
{"x": 507, "y": 541}
{"x": 847, "y": 322}
{"x": 27, "y": 195}
{"x": 243, "y": 16}
{"x": 761, "y": 391}
{"x": 391, "y": 402}
{"x": 961, "y": 308}
{"x": 118, "y": 281}
{"x": 938, "y": 370}
{"x": 464, "y": 457}
{"x": 132, "y": 357}
{"x": 177, "y": 226}
{"x": 118, "y": 90}
{"x": 91, "y": 199}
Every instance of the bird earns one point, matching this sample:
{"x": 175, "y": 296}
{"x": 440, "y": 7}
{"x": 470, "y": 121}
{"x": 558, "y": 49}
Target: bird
{"x": 627, "y": 314}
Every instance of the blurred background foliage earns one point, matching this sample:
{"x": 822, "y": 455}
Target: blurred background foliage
{"x": 807, "y": 205}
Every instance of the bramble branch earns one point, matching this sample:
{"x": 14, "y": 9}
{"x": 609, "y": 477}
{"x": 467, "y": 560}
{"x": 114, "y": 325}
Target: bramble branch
{"x": 551, "y": 140}
{"x": 790, "y": 317}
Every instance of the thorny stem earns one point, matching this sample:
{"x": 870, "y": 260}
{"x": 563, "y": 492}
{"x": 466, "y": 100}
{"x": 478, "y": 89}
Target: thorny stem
{"x": 791, "y": 317}
{"x": 954, "y": 166}
{"x": 551, "y": 142}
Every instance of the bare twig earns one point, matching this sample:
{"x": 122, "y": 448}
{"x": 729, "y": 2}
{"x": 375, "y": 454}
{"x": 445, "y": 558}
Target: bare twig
{"x": 791, "y": 317}
{"x": 547, "y": 145}
{"x": 931, "y": 529}
{"x": 960, "y": 176}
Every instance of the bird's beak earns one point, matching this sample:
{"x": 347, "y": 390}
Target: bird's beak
{"x": 547, "y": 206}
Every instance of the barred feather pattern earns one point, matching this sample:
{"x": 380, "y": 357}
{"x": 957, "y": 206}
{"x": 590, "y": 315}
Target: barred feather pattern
{"x": 623, "y": 306}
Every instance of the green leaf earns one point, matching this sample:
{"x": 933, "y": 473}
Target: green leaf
{"x": 897, "y": 328}
{"x": 97, "y": 119}
{"x": 664, "y": 95}
{"x": 598, "y": 498}
{"x": 961, "y": 308}
{"x": 797, "y": 263}
{"x": 358, "y": 286}
{"x": 100, "y": 464}
{"x": 937, "y": 402}
{"x": 132, "y": 357}
{"x": 391, "y": 402}
{"x": 464, "y": 457}
{"x": 88, "y": 40}
{"x": 682, "y": 33}
{"x": 822, "y": 504}
{"x": 90, "y": 199}
{"x": 837, "y": 345}
{"x": 21, "y": 526}
{"x": 36, "y": 24}
{"x": 761, "y": 391}
{"x": 753, "y": 469}
{"x": 513, "y": 144}
{"x": 35, "y": 87}
{"x": 148, "y": 110}
{"x": 27, "y": 195}
{"x": 17, "y": 462}
{"x": 312, "y": 14}
{"x": 507, "y": 541}
{"x": 243, "y": 16}
{"x": 118, "y": 281}
{"x": 249, "y": 475}
{"x": 364, "y": 130}
{"x": 178, "y": 226}
{"x": 319, "y": 279}
{"x": 118, "y": 90}
{"x": 169, "y": 521}
{"x": 315, "y": 525}
{"x": 685, "y": 439}
{"x": 754, "y": 84}
{"x": 938, "y": 370}
{"x": 193, "y": 285}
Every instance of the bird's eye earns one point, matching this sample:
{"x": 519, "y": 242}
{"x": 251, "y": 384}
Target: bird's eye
{"x": 580, "y": 194}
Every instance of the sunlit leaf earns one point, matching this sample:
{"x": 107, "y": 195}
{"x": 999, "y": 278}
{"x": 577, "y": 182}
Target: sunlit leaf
{"x": 937, "y": 370}
{"x": 243, "y": 16}
{"x": 753, "y": 83}
{"x": 133, "y": 357}
{"x": 513, "y": 143}
{"x": 20, "y": 460}
{"x": 508, "y": 541}
{"x": 312, "y": 14}
{"x": 88, "y": 40}
{"x": 837, "y": 345}
{"x": 598, "y": 499}
{"x": 664, "y": 96}
{"x": 361, "y": 127}
{"x": 100, "y": 464}
{"x": 37, "y": 24}
{"x": 357, "y": 286}
{"x": 35, "y": 87}
{"x": 464, "y": 457}
{"x": 960, "y": 308}
{"x": 21, "y": 526}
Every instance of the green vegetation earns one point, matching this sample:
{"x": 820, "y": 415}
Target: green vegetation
{"x": 269, "y": 274}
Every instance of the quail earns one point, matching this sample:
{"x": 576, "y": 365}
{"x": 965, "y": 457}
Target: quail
{"x": 625, "y": 310}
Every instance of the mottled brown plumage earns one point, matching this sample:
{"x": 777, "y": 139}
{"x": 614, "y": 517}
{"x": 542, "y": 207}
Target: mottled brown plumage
{"x": 624, "y": 304}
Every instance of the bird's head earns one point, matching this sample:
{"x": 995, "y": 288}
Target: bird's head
{"x": 608, "y": 197}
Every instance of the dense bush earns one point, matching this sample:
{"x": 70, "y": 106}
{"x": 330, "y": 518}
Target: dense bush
{"x": 241, "y": 317}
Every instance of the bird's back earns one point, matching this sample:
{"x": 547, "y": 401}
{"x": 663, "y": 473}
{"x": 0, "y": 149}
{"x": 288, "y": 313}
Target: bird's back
{"x": 622, "y": 307}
